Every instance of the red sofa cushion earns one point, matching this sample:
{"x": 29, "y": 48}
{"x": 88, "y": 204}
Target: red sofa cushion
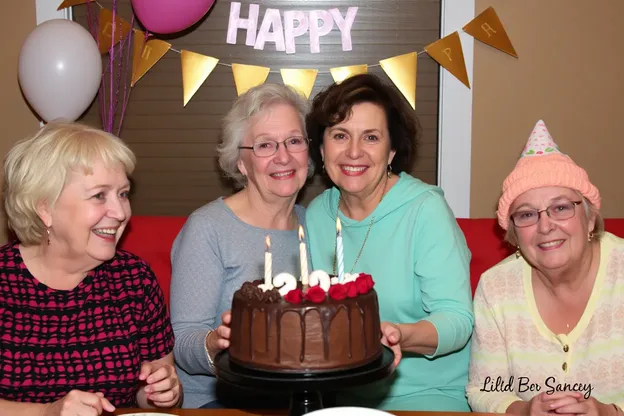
{"x": 151, "y": 238}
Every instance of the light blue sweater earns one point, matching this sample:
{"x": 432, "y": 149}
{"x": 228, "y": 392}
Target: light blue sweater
{"x": 212, "y": 256}
{"x": 419, "y": 261}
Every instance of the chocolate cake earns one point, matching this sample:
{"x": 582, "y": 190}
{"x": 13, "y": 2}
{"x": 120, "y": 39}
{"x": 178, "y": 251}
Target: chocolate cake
{"x": 306, "y": 331}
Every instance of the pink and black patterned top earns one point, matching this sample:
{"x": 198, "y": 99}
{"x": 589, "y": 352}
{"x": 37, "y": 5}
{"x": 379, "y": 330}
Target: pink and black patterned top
{"x": 92, "y": 338}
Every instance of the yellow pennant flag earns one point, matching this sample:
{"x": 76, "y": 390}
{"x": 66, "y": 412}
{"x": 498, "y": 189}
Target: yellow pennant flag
{"x": 248, "y": 76}
{"x": 402, "y": 71}
{"x": 146, "y": 54}
{"x": 449, "y": 53}
{"x": 341, "y": 73}
{"x": 105, "y": 30}
{"x": 488, "y": 28}
{"x": 70, "y": 3}
{"x": 195, "y": 70}
{"x": 300, "y": 79}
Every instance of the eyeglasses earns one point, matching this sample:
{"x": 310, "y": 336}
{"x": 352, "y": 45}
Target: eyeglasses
{"x": 558, "y": 212}
{"x": 268, "y": 148}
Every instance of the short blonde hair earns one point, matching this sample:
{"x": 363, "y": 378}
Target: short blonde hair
{"x": 236, "y": 122}
{"x": 590, "y": 209}
{"x": 37, "y": 168}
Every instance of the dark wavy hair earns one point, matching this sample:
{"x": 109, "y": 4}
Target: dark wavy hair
{"x": 335, "y": 103}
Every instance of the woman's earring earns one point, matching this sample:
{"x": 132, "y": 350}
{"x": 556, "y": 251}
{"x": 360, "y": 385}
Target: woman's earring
{"x": 389, "y": 170}
{"x": 590, "y": 236}
{"x": 48, "y": 231}
{"x": 518, "y": 253}
{"x": 323, "y": 167}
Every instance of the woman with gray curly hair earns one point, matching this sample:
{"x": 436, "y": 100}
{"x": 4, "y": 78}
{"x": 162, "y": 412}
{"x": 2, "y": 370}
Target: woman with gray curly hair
{"x": 221, "y": 246}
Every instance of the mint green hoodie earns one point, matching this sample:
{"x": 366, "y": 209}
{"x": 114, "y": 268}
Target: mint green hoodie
{"x": 419, "y": 261}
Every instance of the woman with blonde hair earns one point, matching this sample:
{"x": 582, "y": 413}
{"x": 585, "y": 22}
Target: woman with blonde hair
{"x": 84, "y": 325}
{"x": 222, "y": 244}
{"x": 549, "y": 333}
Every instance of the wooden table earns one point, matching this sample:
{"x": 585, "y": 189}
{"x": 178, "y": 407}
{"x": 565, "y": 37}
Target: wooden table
{"x": 228, "y": 412}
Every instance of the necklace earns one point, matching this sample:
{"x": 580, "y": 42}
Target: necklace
{"x": 357, "y": 258}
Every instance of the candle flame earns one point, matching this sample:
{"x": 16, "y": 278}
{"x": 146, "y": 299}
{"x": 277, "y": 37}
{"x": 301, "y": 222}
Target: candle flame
{"x": 267, "y": 241}
{"x": 301, "y": 235}
{"x": 338, "y": 225}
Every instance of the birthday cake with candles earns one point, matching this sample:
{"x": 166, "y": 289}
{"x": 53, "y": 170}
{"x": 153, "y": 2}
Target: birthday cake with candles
{"x": 313, "y": 324}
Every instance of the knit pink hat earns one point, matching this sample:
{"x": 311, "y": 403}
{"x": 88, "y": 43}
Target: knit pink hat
{"x": 542, "y": 164}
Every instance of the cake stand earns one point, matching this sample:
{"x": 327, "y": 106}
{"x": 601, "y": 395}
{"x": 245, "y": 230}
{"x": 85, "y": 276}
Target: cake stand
{"x": 305, "y": 388}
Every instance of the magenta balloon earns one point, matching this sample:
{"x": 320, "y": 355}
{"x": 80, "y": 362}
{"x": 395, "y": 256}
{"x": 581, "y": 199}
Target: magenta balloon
{"x": 170, "y": 16}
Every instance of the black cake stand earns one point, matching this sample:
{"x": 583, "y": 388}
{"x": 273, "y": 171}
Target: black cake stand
{"x": 305, "y": 388}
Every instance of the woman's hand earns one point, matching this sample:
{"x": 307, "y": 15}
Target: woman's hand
{"x": 77, "y": 403}
{"x": 581, "y": 406}
{"x": 544, "y": 404}
{"x": 162, "y": 386}
{"x": 219, "y": 339}
{"x": 391, "y": 337}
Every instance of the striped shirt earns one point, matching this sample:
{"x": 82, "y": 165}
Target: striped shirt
{"x": 515, "y": 356}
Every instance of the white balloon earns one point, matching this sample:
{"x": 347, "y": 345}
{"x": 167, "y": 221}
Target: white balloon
{"x": 286, "y": 282}
{"x": 59, "y": 69}
{"x": 321, "y": 278}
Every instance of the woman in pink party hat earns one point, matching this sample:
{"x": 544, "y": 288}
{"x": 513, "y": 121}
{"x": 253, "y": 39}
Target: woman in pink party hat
{"x": 549, "y": 320}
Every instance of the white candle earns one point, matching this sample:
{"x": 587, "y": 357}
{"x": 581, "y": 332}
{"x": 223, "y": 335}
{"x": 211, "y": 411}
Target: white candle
{"x": 268, "y": 262}
{"x": 339, "y": 251}
{"x": 303, "y": 257}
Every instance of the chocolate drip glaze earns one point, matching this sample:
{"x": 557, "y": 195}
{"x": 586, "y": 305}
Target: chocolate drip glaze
{"x": 305, "y": 337}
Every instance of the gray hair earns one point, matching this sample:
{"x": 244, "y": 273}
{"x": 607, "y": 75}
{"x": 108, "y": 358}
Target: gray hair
{"x": 236, "y": 122}
{"x": 590, "y": 209}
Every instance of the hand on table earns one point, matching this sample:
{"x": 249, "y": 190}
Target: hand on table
{"x": 162, "y": 386}
{"x": 391, "y": 337}
{"x": 579, "y": 406}
{"x": 79, "y": 403}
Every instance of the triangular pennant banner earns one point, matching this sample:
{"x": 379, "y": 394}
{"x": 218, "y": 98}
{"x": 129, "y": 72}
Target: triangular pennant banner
{"x": 300, "y": 79}
{"x": 341, "y": 73}
{"x": 146, "y": 54}
{"x": 402, "y": 71}
{"x": 488, "y": 28}
{"x": 105, "y": 30}
{"x": 70, "y": 3}
{"x": 448, "y": 52}
{"x": 195, "y": 70}
{"x": 248, "y": 76}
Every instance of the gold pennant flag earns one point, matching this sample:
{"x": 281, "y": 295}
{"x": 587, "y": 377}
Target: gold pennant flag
{"x": 402, "y": 71}
{"x": 105, "y": 30}
{"x": 70, "y": 3}
{"x": 146, "y": 54}
{"x": 449, "y": 53}
{"x": 488, "y": 28}
{"x": 248, "y": 76}
{"x": 341, "y": 73}
{"x": 195, "y": 70}
{"x": 300, "y": 79}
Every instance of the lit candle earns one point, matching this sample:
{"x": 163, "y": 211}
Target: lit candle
{"x": 268, "y": 262}
{"x": 303, "y": 257}
{"x": 339, "y": 251}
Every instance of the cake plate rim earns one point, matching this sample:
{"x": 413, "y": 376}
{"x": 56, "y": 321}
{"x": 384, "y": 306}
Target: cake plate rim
{"x": 268, "y": 380}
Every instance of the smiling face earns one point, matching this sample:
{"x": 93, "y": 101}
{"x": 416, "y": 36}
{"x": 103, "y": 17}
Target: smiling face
{"x": 283, "y": 174}
{"x": 549, "y": 244}
{"x": 90, "y": 215}
{"x": 357, "y": 151}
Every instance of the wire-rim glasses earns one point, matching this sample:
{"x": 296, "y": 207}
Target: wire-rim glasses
{"x": 267, "y": 148}
{"x": 559, "y": 211}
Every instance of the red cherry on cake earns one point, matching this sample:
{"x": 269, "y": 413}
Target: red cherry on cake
{"x": 352, "y": 290}
{"x": 337, "y": 291}
{"x": 315, "y": 294}
{"x": 295, "y": 296}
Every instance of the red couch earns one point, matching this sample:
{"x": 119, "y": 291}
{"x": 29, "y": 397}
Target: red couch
{"x": 151, "y": 238}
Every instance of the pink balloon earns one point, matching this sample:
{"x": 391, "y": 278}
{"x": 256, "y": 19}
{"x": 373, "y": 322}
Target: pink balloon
{"x": 170, "y": 16}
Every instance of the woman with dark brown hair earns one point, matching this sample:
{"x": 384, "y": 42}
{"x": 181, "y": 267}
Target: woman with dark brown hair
{"x": 399, "y": 230}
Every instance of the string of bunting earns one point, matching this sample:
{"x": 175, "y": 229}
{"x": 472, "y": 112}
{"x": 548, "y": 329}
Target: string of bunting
{"x": 196, "y": 68}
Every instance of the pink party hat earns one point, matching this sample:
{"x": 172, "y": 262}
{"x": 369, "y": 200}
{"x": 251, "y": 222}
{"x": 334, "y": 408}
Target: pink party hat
{"x": 540, "y": 142}
{"x": 542, "y": 164}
